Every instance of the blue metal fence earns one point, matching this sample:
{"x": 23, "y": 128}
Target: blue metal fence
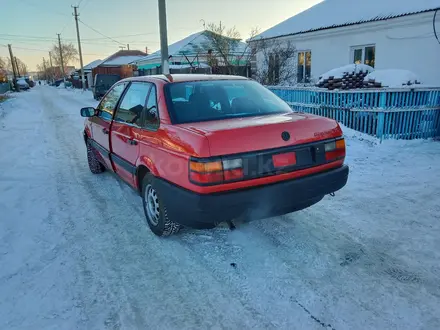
{"x": 384, "y": 113}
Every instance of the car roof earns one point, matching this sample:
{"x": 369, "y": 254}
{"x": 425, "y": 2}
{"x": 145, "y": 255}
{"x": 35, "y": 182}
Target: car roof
{"x": 176, "y": 78}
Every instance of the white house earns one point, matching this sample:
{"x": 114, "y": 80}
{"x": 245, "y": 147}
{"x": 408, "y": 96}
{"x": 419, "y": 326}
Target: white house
{"x": 193, "y": 51}
{"x": 385, "y": 34}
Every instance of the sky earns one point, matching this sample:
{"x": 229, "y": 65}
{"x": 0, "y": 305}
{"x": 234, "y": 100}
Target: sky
{"x": 31, "y": 26}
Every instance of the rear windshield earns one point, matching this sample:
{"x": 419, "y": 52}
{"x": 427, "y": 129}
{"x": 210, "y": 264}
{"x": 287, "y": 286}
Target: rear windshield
{"x": 196, "y": 101}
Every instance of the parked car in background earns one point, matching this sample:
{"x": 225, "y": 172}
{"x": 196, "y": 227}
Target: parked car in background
{"x": 102, "y": 84}
{"x": 203, "y": 149}
{"x": 58, "y": 82}
{"x": 22, "y": 84}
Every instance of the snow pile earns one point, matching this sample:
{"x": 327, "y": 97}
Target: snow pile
{"x": 344, "y": 70}
{"x": 61, "y": 85}
{"x": 393, "y": 78}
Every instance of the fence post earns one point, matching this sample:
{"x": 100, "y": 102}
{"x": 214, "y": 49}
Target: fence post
{"x": 381, "y": 115}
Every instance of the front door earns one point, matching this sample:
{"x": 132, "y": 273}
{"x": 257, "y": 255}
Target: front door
{"x": 127, "y": 126}
{"x": 102, "y": 122}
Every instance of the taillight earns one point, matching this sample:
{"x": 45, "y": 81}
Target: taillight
{"x": 209, "y": 172}
{"x": 335, "y": 150}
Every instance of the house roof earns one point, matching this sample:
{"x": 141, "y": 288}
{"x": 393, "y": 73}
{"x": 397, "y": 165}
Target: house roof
{"x": 122, "y": 57}
{"x": 337, "y": 13}
{"x": 193, "y": 44}
{"x": 92, "y": 65}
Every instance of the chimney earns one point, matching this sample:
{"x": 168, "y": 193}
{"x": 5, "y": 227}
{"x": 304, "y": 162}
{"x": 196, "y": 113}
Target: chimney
{"x": 146, "y": 50}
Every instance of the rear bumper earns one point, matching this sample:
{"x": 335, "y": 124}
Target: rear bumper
{"x": 204, "y": 211}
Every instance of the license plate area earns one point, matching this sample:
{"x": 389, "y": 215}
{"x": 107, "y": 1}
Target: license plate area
{"x": 272, "y": 162}
{"x": 283, "y": 160}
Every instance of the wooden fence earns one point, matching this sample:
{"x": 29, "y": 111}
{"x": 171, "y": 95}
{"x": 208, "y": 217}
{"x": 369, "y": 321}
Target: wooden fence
{"x": 385, "y": 113}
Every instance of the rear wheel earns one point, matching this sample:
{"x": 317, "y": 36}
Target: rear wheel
{"x": 155, "y": 210}
{"x": 95, "y": 166}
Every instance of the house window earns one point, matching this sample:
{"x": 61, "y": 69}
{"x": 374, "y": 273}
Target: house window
{"x": 274, "y": 69}
{"x": 304, "y": 68}
{"x": 364, "y": 55}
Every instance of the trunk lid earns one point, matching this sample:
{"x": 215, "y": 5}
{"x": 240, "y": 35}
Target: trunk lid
{"x": 241, "y": 135}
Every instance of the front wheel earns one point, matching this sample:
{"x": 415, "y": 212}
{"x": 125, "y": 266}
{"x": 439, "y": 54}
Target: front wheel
{"x": 155, "y": 210}
{"x": 95, "y": 166}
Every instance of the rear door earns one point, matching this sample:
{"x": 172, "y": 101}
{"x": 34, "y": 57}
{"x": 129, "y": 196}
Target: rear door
{"x": 102, "y": 122}
{"x": 126, "y": 129}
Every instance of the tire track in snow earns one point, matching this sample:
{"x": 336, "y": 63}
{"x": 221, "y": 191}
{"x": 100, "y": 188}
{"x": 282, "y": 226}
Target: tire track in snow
{"x": 105, "y": 191}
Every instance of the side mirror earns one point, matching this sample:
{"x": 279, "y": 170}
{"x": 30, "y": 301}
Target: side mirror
{"x": 87, "y": 112}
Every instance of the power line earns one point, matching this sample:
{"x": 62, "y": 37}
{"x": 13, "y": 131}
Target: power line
{"x": 110, "y": 38}
{"x": 106, "y": 37}
{"x": 45, "y": 50}
{"x": 84, "y": 5}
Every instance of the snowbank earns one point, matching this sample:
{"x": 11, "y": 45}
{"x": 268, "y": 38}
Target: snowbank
{"x": 393, "y": 78}
{"x": 351, "y": 68}
{"x": 61, "y": 85}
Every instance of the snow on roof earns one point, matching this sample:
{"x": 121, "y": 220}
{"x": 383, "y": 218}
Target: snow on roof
{"x": 336, "y": 13}
{"x": 192, "y": 45}
{"x": 122, "y": 57}
{"x": 121, "y": 60}
{"x": 92, "y": 65}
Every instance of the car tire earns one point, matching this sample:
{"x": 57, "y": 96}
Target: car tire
{"x": 94, "y": 164}
{"x": 155, "y": 209}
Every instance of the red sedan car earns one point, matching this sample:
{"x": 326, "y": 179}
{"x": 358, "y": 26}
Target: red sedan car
{"x": 204, "y": 149}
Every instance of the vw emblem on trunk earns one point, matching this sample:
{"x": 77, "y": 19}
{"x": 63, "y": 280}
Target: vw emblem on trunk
{"x": 285, "y": 136}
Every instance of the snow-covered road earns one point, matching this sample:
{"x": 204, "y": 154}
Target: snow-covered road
{"x": 75, "y": 252}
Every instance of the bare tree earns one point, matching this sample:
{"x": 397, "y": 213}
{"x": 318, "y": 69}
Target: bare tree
{"x": 2, "y": 63}
{"x": 225, "y": 48}
{"x": 275, "y": 61}
{"x": 44, "y": 71}
{"x": 22, "y": 67}
{"x": 69, "y": 54}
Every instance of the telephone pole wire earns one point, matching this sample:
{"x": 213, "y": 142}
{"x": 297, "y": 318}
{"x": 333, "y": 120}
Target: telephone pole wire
{"x": 61, "y": 56}
{"x": 163, "y": 36}
{"x": 83, "y": 78}
{"x": 13, "y": 67}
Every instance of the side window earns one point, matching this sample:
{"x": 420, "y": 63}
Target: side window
{"x": 151, "y": 111}
{"x": 109, "y": 102}
{"x": 133, "y": 103}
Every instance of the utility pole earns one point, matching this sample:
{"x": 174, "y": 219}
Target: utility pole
{"x": 16, "y": 65}
{"x": 44, "y": 68}
{"x": 83, "y": 78}
{"x": 61, "y": 55}
{"x": 163, "y": 36}
{"x": 128, "y": 46}
{"x": 13, "y": 67}
{"x": 51, "y": 67}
